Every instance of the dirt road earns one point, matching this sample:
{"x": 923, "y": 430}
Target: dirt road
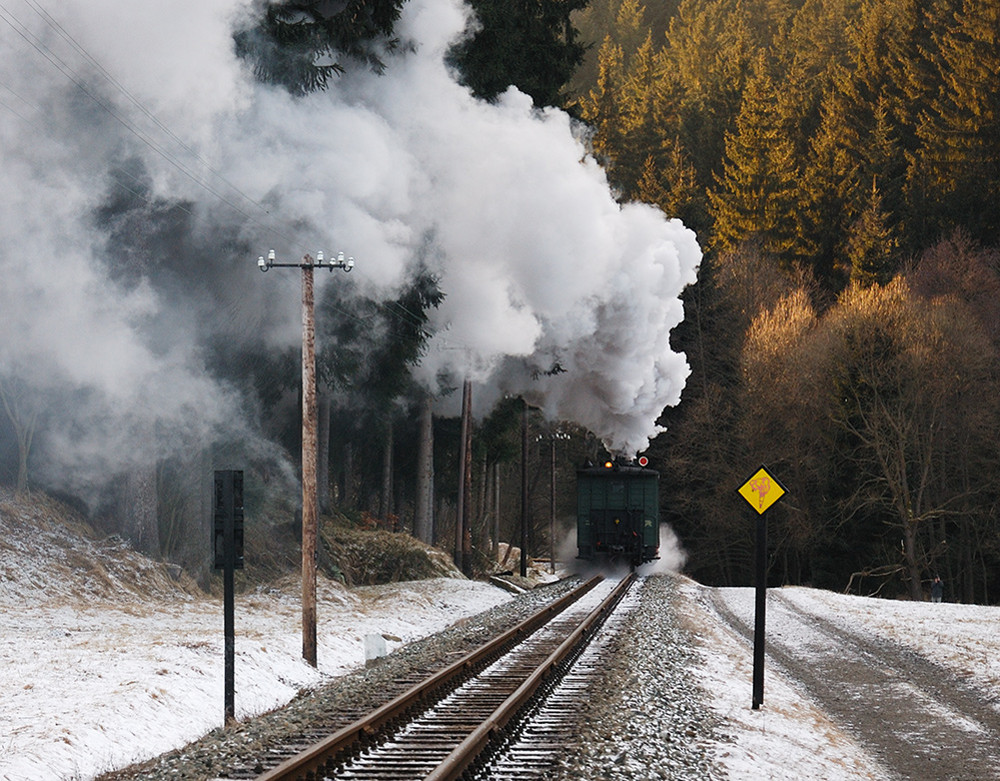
{"x": 913, "y": 715}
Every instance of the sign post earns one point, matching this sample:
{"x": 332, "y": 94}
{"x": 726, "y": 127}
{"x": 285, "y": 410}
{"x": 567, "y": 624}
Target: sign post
{"x": 228, "y": 549}
{"x": 761, "y": 490}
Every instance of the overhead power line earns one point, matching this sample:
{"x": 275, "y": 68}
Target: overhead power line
{"x": 393, "y": 308}
{"x": 65, "y": 35}
{"x": 79, "y": 81}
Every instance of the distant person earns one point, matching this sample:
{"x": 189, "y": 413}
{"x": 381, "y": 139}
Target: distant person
{"x": 937, "y": 589}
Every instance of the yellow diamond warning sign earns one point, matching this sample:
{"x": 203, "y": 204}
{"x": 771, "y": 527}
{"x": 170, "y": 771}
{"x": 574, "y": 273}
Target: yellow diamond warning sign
{"x": 761, "y": 490}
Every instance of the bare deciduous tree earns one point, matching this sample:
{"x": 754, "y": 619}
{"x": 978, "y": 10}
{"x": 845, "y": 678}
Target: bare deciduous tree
{"x": 22, "y": 409}
{"x": 900, "y": 367}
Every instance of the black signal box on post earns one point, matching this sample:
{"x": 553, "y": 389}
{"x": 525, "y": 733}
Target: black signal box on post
{"x": 228, "y": 518}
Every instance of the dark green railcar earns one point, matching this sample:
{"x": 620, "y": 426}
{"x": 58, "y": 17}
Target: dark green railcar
{"x": 618, "y": 513}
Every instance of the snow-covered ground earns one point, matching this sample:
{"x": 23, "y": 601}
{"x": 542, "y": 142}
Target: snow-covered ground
{"x": 791, "y": 737}
{"x": 105, "y": 659}
{"x": 92, "y": 666}
{"x": 82, "y": 685}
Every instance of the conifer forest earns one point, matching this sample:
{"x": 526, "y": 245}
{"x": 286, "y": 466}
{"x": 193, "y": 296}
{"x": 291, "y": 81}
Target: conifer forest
{"x": 839, "y": 162}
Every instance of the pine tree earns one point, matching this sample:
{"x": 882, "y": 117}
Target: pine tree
{"x": 913, "y": 82}
{"x": 673, "y": 186}
{"x": 876, "y": 105}
{"x": 829, "y": 186}
{"x": 601, "y": 107}
{"x": 301, "y": 46}
{"x": 631, "y": 106}
{"x": 871, "y": 246}
{"x": 637, "y": 113}
{"x": 630, "y": 29}
{"x": 957, "y": 167}
{"x": 755, "y": 198}
{"x": 709, "y": 52}
{"x": 817, "y": 37}
{"x": 885, "y": 67}
{"x": 883, "y": 158}
{"x": 908, "y": 77}
{"x": 810, "y": 56}
{"x": 531, "y": 44}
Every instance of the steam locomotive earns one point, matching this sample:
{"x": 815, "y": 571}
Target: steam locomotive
{"x": 618, "y": 512}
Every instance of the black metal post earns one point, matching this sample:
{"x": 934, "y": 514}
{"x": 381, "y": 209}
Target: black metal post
{"x": 759, "y": 615}
{"x": 228, "y": 513}
{"x": 229, "y": 610}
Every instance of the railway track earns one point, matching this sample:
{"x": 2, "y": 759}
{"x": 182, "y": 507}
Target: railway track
{"x": 454, "y": 723}
{"x": 552, "y": 727}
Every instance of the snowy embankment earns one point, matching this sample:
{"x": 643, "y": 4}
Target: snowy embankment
{"x": 105, "y": 660}
{"x": 91, "y": 687}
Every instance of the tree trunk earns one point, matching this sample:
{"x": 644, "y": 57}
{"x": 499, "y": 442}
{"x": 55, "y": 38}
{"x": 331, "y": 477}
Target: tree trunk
{"x": 385, "y": 503}
{"x": 138, "y": 510}
{"x": 467, "y": 520}
{"x": 496, "y": 511}
{"x": 23, "y": 422}
{"x": 442, "y": 520}
{"x": 323, "y": 455}
{"x": 423, "y": 517}
{"x": 967, "y": 562}
{"x": 483, "y": 503}
{"x": 463, "y": 539}
{"x": 350, "y": 492}
{"x": 204, "y": 525}
{"x": 24, "y": 435}
{"x": 910, "y": 554}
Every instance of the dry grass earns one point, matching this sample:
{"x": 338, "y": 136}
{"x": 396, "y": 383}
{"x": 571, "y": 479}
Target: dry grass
{"x": 371, "y": 557}
{"x": 49, "y": 552}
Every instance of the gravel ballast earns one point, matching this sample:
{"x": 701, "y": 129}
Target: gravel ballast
{"x": 647, "y": 718}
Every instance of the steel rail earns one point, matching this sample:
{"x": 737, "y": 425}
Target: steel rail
{"x": 466, "y": 753}
{"x": 315, "y": 758}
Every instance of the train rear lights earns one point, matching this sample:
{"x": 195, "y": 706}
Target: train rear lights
{"x": 608, "y": 464}
{"x": 643, "y": 461}
{"x": 617, "y": 521}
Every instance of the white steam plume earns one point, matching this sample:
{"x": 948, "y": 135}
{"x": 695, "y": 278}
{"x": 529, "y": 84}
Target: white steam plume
{"x": 538, "y": 262}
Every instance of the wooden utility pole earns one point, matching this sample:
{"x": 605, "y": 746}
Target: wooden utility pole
{"x": 309, "y": 436}
{"x": 463, "y": 537}
{"x": 309, "y": 451}
{"x": 524, "y": 489}
{"x": 552, "y": 503}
